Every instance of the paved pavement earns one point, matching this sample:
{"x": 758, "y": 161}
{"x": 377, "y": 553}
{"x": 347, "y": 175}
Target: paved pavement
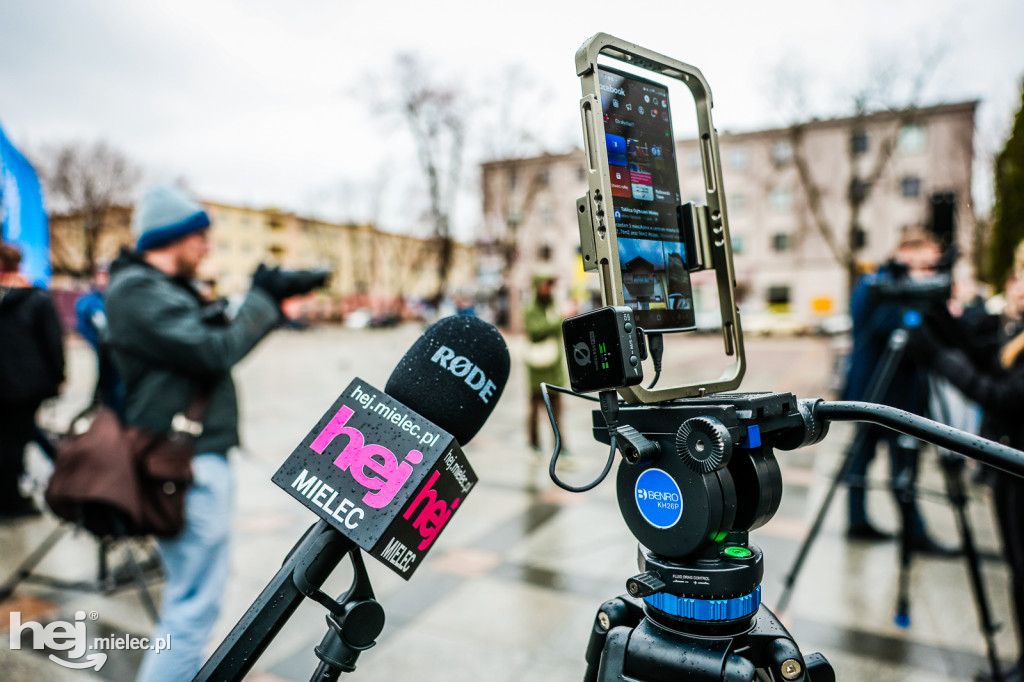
{"x": 510, "y": 590}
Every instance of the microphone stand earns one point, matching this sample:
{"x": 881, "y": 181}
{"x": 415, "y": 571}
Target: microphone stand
{"x": 354, "y": 621}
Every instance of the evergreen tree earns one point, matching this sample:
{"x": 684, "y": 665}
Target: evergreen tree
{"x": 1008, "y": 211}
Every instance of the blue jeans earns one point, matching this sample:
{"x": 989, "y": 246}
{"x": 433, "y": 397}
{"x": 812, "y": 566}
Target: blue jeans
{"x": 196, "y": 570}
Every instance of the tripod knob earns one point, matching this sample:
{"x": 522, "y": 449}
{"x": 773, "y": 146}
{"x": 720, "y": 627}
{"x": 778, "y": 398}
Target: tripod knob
{"x": 704, "y": 444}
{"x": 645, "y": 584}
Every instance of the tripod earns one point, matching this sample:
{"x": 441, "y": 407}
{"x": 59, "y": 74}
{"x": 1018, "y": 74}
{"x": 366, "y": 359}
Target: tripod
{"x": 106, "y": 582}
{"x": 633, "y": 639}
{"x": 903, "y": 484}
{"x": 695, "y": 612}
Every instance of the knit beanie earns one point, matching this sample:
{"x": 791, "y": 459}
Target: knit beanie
{"x": 164, "y": 214}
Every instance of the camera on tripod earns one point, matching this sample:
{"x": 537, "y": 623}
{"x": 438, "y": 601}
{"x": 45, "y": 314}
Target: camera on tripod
{"x": 698, "y": 469}
{"x": 900, "y": 287}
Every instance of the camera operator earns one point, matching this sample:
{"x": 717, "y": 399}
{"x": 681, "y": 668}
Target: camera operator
{"x": 168, "y": 344}
{"x": 875, "y": 318}
{"x": 985, "y": 360}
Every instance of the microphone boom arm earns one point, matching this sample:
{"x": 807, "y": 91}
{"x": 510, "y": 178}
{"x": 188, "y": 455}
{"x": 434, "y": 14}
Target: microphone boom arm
{"x": 308, "y": 565}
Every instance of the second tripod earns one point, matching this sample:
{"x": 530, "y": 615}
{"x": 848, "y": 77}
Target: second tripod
{"x": 903, "y": 483}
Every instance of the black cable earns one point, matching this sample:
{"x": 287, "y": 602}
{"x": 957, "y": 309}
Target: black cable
{"x": 656, "y": 346}
{"x": 558, "y": 437}
{"x": 994, "y": 454}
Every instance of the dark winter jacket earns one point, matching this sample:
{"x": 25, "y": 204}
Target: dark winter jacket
{"x": 31, "y": 347}
{"x": 999, "y": 391}
{"x": 166, "y": 348}
{"x": 874, "y": 322}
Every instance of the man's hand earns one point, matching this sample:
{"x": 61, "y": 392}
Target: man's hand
{"x": 282, "y": 284}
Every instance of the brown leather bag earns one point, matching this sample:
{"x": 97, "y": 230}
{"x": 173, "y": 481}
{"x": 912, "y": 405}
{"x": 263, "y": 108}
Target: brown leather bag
{"x": 118, "y": 480}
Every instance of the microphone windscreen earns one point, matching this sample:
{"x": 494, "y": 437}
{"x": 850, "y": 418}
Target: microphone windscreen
{"x": 453, "y": 375}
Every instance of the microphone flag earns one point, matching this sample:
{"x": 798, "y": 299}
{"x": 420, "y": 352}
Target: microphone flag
{"x": 22, "y": 215}
{"x": 385, "y": 477}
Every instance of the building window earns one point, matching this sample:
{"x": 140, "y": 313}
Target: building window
{"x": 738, "y": 242}
{"x": 739, "y": 158}
{"x": 781, "y": 199}
{"x": 738, "y": 202}
{"x": 581, "y": 173}
{"x": 778, "y": 298}
{"x": 544, "y": 252}
{"x": 780, "y": 242}
{"x": 860, "y": 237}
{"x": 778, "y": 294}
{"x": 543, "y": 178}
{"x": 910, "y": 186}
{"x": 859, "y": 190}
{"x": 858, "y": 142}
{"x": 782, "y": 153}
{"x": 911, "y": 138}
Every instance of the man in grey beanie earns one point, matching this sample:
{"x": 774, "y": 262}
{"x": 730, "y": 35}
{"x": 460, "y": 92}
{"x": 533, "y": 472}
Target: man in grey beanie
{"x": 167, "y": 347}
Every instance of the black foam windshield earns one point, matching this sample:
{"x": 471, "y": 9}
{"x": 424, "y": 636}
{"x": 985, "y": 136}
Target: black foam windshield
{"x": 453, "y": 375}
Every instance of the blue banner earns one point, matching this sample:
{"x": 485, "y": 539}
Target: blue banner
{"x": 23, "y": 214}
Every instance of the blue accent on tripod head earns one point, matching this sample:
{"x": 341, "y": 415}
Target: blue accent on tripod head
{"x": 753, "y": 436}
{"x": 911, "y": 318}
{"x": 706, "y": 609}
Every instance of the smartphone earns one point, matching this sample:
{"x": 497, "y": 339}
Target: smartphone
{"x": 637, "y": 233}
{"x": 644, "y": 200}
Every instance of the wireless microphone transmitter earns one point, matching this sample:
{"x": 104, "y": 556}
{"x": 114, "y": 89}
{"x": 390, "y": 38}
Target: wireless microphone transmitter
{"x": 604, "y": 348}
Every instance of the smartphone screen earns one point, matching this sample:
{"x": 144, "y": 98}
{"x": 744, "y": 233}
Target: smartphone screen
{"x": 645, "y": 198}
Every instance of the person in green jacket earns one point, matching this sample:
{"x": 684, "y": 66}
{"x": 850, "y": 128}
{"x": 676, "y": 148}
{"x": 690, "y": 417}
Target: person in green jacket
{"x": 168, "y": 344}
{"x": 544, "y": 359}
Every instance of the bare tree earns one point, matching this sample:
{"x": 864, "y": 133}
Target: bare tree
{"x": 878, "y": 94}
{"x": 86, "y": 181}
{"x": 434, "y": 113}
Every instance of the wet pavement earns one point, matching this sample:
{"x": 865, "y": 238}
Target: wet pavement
{"x": 511, "y": 588}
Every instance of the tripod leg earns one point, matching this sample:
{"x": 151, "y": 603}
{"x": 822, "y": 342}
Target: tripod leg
{"x": 140, "y": 582}
{"x": 876, "y": 389}
{"x": 624, "y": 611}
{"x": 819, "y": 520}
{"x": 25, "y": 569}
{"x": 612, "y": 662}
{"x": 903, "y": 486}
{"x": 953, "y": 470}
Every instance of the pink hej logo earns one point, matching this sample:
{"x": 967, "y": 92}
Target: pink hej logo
{"x": 433, "y": 513}
{"x": 358, "y": 458}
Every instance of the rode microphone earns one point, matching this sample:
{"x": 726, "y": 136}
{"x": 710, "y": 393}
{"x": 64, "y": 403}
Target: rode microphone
{"x": 453, "y": 375}
{"x": 386, "y": 468}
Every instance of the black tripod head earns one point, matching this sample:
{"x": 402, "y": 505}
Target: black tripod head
{"x": 696, "y": 475}
{"x": 707, "y": 476}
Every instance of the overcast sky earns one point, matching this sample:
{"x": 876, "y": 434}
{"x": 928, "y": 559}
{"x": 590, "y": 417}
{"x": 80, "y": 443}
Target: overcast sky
{"x": 269, "y": 103}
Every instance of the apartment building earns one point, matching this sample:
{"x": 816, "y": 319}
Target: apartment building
{"x": 781, "y": 220}
{"x": 372, "y": 269}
